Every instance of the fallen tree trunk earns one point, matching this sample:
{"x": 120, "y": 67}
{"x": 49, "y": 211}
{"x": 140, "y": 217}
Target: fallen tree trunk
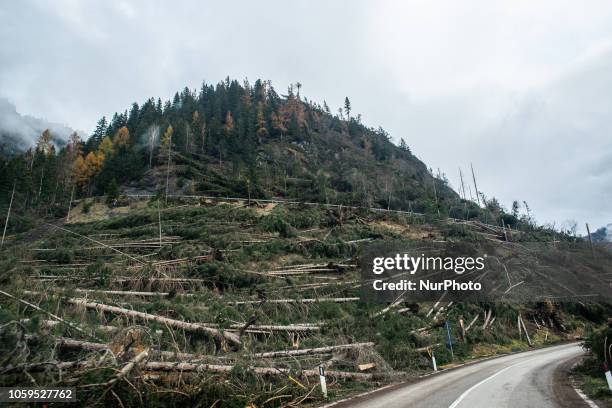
{"x": 90, "y": 346}
{"x": 487, "y": 318}
{"x": 257, "y": 302}
{"x": 49, "y": 324}
{"x": 55, "y": 317}
{"x": 215, "y": 368}
{"x": 179, "y": 324}
{"x": 471, "y": 323}
{"x": 422, "y": 349}
{"x": 139, "y": 358}
{"x": 287, "y": 328}
{"x": 397, "y": 303}
{"x": 317, "y": 350}
{"x": 180, "y": 367}
{"x": 133, "y": 293}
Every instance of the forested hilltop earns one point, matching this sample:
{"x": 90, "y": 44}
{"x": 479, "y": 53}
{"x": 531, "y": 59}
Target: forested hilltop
{"x": 239, "y": 140}
{"x": 135, "y": 268}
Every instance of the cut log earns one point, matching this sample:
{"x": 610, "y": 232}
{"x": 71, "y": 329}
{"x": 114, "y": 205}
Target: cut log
{"x": 317, "y": 350}
{"x": 179, "y": 324}
{"x": 365, "y": 367}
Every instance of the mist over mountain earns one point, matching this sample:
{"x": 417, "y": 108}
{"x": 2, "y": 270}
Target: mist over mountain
{"x": 603, "y": 234}
{"x": 19, "y": 132}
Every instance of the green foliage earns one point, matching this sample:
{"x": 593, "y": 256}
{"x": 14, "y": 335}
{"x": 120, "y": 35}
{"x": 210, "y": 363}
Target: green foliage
{"x": 224, "y": 276}
{"x": 112, "y": 191}
{"x": 87, "y": 204}
{"x": 275, "y": 222}
{"x": 598, "y": 342}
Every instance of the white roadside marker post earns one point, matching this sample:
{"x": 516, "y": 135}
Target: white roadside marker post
{"x": 433, "y": 361}
{"x": 433, "y": 358}
{"x": 323, "y": 383}
{"x": 608, "y": 376}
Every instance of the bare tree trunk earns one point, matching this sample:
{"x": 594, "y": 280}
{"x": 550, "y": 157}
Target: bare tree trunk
{"x": 183, "y": 367}
{"x": 139, "y": 358}
{"x": 317, "y": 350}
{"x": 193, "y": 327}
{"x": 70, "y": 204}
{"x": 168, "y": 167}
{"x": 33, "y": 306}
{"x": 475, "y": 186}
{"x": 8, "y": 214}
{"x": 160, "y": 227}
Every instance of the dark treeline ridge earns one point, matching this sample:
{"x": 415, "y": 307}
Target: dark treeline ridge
{"x": 233, "y": 139}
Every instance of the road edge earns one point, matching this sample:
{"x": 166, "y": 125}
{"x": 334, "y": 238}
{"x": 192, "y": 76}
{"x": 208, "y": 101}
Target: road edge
{"x": 439, "y": 372}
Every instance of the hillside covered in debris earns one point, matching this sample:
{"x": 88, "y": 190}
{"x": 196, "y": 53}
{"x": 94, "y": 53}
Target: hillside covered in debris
{"x": 205, "y": 251}
{"x": 197, "y": 301}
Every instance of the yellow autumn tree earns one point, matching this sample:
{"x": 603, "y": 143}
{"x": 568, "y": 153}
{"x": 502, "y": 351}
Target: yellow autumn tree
{"x": 195, "y": 118}
{"x": 106, "y": 148}
{"x": 44, "y": 144}
{"x": 229, "y": 124}
{"x": 165, "y": 147}
{"x": 122, "y": 137}
{"x": 80, "y": 172}
{"x": 94, "y": 163}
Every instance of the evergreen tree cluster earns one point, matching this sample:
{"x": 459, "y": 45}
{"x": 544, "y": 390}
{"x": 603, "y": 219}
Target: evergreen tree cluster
{"x": 231, "y": 139}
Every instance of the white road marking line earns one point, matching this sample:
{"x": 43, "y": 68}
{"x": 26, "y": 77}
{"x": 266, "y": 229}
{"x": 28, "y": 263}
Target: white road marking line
{"x": 586, "y": 399}
{"x": 473, "y": 387}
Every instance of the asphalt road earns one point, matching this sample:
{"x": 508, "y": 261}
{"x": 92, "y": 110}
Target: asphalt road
{"x": 528, "y": 379}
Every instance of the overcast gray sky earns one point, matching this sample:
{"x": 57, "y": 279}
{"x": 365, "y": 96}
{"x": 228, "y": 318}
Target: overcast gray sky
{"x": 523, "y": 89}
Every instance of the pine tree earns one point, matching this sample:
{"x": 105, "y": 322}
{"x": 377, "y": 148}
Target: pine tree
{"x": 347, "y": 108}
{"x": 100, "y": 131}
{"x": 515, "y": 208}
{"x": 262, "y": 131}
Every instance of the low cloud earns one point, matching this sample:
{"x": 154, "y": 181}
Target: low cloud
{"x": 19, "y": 132}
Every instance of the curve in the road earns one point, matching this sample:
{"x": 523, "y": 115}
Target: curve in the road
{"x": 519, "y": 380}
